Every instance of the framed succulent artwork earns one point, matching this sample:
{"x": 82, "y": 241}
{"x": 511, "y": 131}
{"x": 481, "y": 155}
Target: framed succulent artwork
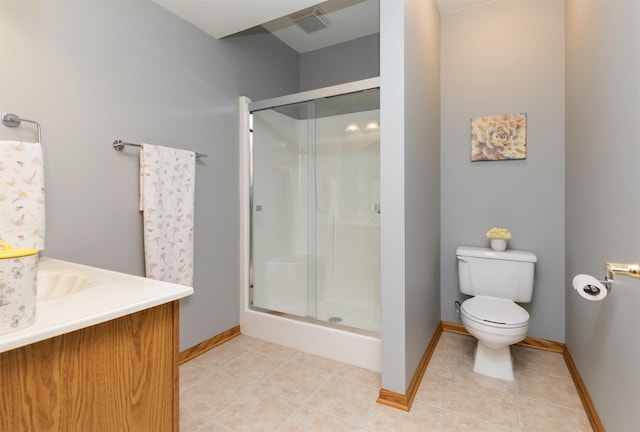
{"x": 499, "y": 137}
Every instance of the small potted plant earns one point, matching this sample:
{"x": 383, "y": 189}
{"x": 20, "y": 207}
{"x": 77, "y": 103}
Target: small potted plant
{"x": 498, "y": 237}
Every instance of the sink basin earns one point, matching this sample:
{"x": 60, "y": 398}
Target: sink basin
{"x": 56, "y": 283}
{"x": 73, "y": 296}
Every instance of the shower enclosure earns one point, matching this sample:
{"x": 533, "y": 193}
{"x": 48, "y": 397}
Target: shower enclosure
{"x": 315, "y": 208}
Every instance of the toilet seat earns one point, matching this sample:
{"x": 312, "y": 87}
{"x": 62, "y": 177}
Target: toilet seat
{"x": 495, "y": 312}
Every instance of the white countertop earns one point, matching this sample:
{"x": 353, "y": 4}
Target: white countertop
{"x": 111, "y": 295}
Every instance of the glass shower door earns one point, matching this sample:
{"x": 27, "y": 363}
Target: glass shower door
{"x": 315, "y": 236}
{"x": 283, "y": 210}
{"x": 347, "y": 209}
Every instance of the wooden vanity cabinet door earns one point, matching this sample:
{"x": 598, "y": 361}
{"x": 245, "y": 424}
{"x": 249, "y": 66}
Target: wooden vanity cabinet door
{"x": 121, "y": 375}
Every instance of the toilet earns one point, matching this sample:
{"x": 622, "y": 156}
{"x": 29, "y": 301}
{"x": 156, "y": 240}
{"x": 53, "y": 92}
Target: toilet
{"x": 496, "y": 280}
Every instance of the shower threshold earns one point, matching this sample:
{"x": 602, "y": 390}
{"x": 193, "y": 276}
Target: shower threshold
{"x": 320, "y": 322}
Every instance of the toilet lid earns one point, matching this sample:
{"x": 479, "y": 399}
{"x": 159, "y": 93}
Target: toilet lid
{"x": 495, "y": 310}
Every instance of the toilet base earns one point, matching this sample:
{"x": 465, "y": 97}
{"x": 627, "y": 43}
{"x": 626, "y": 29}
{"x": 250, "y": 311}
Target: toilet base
{"x": 494, "y": 363}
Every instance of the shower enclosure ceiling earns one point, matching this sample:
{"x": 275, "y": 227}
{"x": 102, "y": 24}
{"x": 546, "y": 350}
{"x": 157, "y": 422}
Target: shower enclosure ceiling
{"x": 315, "y": 212}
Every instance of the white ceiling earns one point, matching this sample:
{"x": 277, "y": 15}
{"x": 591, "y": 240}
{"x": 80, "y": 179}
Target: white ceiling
{"x": 351, "y": 18}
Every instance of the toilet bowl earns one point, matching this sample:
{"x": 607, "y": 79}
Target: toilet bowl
{"x": 497, "y": 323}
{"x": 495, "y": 280}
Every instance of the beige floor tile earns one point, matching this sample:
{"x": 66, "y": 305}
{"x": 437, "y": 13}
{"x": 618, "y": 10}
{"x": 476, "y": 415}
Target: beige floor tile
{"x": 359, "y": 375}
{"x": 469, "y": 347}
{"x": 252, "y": 367}
{"x": 452, "y": 422}
{"x": 464, "y": 374}
{"x": 316, "y": 362}
{"x": 442, "y": 362}
{"x": 191, "y": 420}
{"x": 218, "y": 356}
{"x": 247, "y": 342}
{"x": 548, "y": 388}
{"x": 295, "y": 383}
{"x": 433, "y": 390}
{"x": 213, "y": 427}
{"x": 344, "y": 399}
{"x": 257, "y": 411}
{"x": 213, "y": 394}
{"x": 191, "y": 373}
{"x": 383, "y": 418}
{"x": 487, "y": 405}
{"x": 275, "y": 350}
{"x": 252, "y": 385}
{"x": 307, "y": 419}
{"x": 536, "y": 416}
{"x": 456, "y": 343}
{"x": 530, "y": 359}
{"x": 194, "y": 422}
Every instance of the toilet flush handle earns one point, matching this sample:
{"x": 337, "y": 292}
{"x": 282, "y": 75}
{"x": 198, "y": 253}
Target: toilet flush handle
{"x": 464, "y": 260}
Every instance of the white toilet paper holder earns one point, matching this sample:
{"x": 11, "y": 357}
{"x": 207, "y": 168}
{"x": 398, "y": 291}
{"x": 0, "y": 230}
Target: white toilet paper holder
{"x": 594, "y": 290}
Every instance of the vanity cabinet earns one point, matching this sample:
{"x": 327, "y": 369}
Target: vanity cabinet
{"x": 119, "y": 375}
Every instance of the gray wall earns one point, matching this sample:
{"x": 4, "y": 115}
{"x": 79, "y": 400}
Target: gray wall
{"x": 91, "y": 72}
{"x": 410, "y": 188}
{"x": 603, "y": 209}
{"x": 506, "y": 57}
{"x": 392, "y": 241}
{"x": 342, "y": 63}
{"x": 421, "y": 178}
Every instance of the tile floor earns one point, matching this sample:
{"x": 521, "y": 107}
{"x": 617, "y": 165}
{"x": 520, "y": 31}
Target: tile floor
{"x": 251, "y": 385}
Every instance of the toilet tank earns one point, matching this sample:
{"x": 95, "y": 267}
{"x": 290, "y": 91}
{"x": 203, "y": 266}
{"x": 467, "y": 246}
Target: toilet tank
{"x": 486, "y": 272}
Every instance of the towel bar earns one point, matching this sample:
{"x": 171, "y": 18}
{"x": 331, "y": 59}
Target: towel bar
{"x": 118, "y": 145}
{"x": 13, "y": 120}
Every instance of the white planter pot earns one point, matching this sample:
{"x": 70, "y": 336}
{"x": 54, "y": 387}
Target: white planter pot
{"x": 498, "y": 244}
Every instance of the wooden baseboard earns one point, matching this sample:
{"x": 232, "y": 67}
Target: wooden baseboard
{"x": 403, "y": 402}
{"x": 203, "y": 347}
{"x": 454, "y": 328}
{"x": 587, "y": 403}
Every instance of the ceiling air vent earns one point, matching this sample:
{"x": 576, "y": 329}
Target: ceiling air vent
{"x": 311, "y": 19}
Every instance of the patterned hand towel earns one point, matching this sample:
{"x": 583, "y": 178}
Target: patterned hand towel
{"x": 167, "y": 195}
{"x": 22, "y": 211}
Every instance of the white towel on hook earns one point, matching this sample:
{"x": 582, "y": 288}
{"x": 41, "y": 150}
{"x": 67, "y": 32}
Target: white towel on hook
{"x": 167, "y": 197}
{"x": 22, "y": 211}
